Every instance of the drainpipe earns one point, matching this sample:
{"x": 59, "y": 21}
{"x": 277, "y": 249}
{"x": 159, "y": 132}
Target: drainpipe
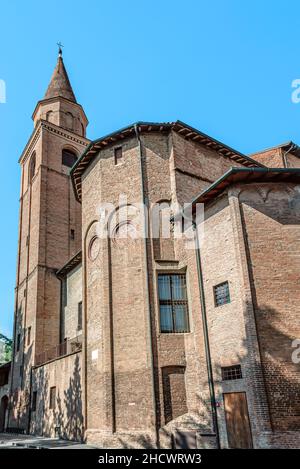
{"x": 145, "y": 204}
{"x": 30, "y": 398}
{"x": 206, "y": 338}
{"x": 284, "y": 156}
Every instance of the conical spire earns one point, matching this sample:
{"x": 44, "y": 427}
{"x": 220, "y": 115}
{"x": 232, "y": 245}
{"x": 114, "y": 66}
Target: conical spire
{"x": 60, "y": 84}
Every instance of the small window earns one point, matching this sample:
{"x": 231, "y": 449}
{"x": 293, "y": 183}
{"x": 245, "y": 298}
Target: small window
{"x": 21, "y": 370}
{"x": 32, "y": 166}
{"x": 52, "y": 397}
{"x": 221, "y": 293}
{"x": 72, "y": 234}
{"x": 25, "y": 292}
{"x": 69, "y": 158}
{"x": 79, "y": 325}
{"x": 28, "y": 335}
{"x": 173, "y": 303}
{"x": 118, "y": 155}
{"x": 231, "y": 372}
{"x": 18, "y": 342}
{"x": 33, "y": 405}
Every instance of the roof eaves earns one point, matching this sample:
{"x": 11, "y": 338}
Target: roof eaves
{"x": 70, "y": 265}
{"x": 219, "y": 183}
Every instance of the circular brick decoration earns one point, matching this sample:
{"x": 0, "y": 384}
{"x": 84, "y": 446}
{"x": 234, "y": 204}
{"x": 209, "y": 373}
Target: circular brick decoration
{"x": 94, "y": 248}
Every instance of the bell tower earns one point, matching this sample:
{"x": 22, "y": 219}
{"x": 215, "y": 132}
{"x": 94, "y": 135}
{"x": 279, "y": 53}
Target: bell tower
{"x": 49, "y": 232}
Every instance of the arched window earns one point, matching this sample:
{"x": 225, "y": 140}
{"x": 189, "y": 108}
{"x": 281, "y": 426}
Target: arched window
{"x": 32, "y": 166}
{"x": 68, "y": 158}
{"x": 69, "y": 120}
{"x": 49, "y": 115}
{"x": 82, "y": 129}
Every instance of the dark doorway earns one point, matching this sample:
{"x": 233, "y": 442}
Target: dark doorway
{"x": 237, "y": 420}
{"x": 3, "y": 408}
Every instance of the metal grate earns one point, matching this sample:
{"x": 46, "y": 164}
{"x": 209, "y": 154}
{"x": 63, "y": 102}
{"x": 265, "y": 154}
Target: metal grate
{"x": 173, "y": 303}
{"x": 230, "y": 373}
{"x": 221, "y": 293}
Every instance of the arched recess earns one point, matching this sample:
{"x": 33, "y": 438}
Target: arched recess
{"x": 162, "y": 230}
{"x": 174, "y": 392}
{"x": 3, "y": 410}
{"x": 49, "y": 116}
{"x": 69, "y": 121}
{"x": 129, "y": 316}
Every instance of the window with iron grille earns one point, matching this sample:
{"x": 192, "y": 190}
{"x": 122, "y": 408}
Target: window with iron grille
{"x": 221, "y": 293}
{"x": 52, "y": 397}
{"x": 118, "y": 155}
{"x": 173, "y": 303}
{"x": 33, "y": 405}
{"x": 231, "y": 372}
{"x": 79, "y": 321}
{"x": 68, "y": 158}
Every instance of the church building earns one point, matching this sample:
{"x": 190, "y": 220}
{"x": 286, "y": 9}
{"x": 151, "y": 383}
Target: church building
{"x": 127, "y": 341}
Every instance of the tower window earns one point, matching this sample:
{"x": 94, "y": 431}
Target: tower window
{"x": 173, "y": 303}
{"x": 118, "y": 155}
{"x": 79, "y": 322}
{"x": 69, "y": 120}
{"x": 69, "y": 158}
{"x": 32, "y": 166}
{"x": 231, "y": 372}
{"x": 221, "y": 294}
{"x": 52, "y": 397}
{"x": 72, "y": 234}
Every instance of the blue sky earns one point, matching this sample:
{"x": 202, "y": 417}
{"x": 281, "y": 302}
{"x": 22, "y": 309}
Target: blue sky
{"x": 225, "y": 67}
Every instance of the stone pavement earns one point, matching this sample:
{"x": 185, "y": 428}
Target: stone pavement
{"x": 14, "y": 441}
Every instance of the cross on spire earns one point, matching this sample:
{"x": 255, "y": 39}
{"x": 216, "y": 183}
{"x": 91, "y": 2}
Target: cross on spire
{"x": 60, "y": 45}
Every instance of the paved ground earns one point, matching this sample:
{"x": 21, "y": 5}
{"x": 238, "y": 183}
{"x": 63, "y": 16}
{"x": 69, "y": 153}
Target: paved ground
{"x": 13, "y": 441}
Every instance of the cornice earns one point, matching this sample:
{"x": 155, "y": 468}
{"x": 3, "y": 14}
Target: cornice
{"x": 64, "y": 133}
{"x": 42, "y": 124}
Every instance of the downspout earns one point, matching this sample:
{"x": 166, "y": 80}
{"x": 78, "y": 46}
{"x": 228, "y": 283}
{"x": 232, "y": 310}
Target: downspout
{"x": 284, "y": 156}
{"x": 145, "y": 205}
{"x": 206, "y": 338}
{"x": 30, "y": 403}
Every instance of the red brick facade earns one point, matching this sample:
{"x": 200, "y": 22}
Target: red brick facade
{"x": 139, "y": 386}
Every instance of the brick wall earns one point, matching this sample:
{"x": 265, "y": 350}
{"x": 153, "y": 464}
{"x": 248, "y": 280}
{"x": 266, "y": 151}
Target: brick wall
{"x": 65, "y": 419}
{"x": 120, "y": 387}
{"x": 48, "y": 211}
{"x": 271, "y": 223}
